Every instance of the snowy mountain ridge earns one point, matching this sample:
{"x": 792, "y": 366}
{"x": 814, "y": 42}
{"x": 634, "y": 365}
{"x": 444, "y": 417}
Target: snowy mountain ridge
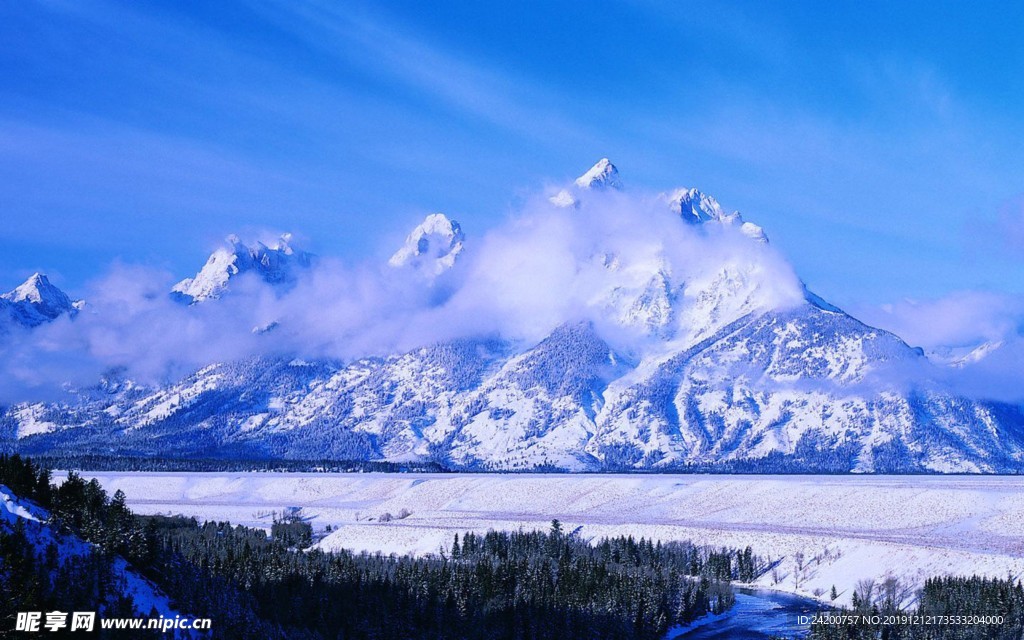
{"x": 278, "y": 264}
{"x": 692, "y": 344}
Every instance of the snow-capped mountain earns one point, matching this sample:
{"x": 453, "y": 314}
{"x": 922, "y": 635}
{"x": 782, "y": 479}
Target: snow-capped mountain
{"x": 696, "y": 207}
{"x": 715, "y": 359}
{"x": 602, "y": 175}
{"x": 37, "y": 301}
{"x": 432, "y": 247}
{"x": 278, "y": 264}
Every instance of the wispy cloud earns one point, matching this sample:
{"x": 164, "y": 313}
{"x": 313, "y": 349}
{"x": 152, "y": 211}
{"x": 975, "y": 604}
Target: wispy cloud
{"x": 963, "y": 318}
{"x": 380, "y": 45}
{"x": 143, "y": 186}
{"x": 977, "y": 337}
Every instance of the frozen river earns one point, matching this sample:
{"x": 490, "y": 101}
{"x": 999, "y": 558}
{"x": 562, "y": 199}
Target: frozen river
{"x": 757, "y": 615}
{"x": 846, "y": 527}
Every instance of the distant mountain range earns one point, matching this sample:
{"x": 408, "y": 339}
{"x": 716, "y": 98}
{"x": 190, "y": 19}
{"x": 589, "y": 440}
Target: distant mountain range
{"x": 730, "y": 377}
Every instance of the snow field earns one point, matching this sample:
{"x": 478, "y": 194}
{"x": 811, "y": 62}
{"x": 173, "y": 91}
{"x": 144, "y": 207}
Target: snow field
{"x": 848, "y": 528}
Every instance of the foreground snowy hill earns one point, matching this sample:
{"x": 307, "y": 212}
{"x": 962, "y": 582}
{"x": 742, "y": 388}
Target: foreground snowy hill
{"x": 44, "y": 537}
{"x": 682, "y": 339}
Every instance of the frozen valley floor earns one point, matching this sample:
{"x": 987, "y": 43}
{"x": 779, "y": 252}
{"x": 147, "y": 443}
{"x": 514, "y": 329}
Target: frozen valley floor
{"x": 847, "y": 528}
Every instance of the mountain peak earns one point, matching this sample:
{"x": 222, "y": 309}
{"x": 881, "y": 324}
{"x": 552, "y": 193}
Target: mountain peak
{"x": 432, "y": 247}
{"x": 276, "y": 264}
{"x": 695, "y": 206}
{"x": 37, "y": 301}
{"x": 36, "y": 289}
{"x": 601, "y": 175}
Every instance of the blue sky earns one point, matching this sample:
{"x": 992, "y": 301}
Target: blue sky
{"x": 879, "y": 144}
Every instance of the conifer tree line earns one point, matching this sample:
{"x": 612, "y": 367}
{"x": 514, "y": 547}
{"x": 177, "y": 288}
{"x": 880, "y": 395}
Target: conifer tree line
{"x": 99, "y": 462}
{"x": 529, "y": 585}
{"x": 951, "y": 596}
{"x": 39, "y": 577}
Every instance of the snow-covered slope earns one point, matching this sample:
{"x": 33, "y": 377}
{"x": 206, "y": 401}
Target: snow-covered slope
{"x": 278, "y": 264}
{"x": 675, "y": 358}
{"x": 794, "y": 383}
{"x": 41, "y": 534}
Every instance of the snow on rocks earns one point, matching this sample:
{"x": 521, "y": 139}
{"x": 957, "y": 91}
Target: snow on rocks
{"x": 277, "y": 264}
{"x": 432, "y": 247}
{"x": 602, "y": 175}
{"x": 37, "y": 301}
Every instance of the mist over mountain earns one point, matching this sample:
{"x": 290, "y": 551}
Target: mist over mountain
{"x": 598, "y": 328}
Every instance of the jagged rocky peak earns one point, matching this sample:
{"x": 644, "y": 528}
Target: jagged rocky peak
{"x": 600, "y": 176}
{"x": 39, "y": 290}
{"x": 37, "y": 300}
{"x": 432, "y": 247}
{"x": 696, "y": 207}
{"x": 277, "y": 264}
{"x": 689, "y": 361}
